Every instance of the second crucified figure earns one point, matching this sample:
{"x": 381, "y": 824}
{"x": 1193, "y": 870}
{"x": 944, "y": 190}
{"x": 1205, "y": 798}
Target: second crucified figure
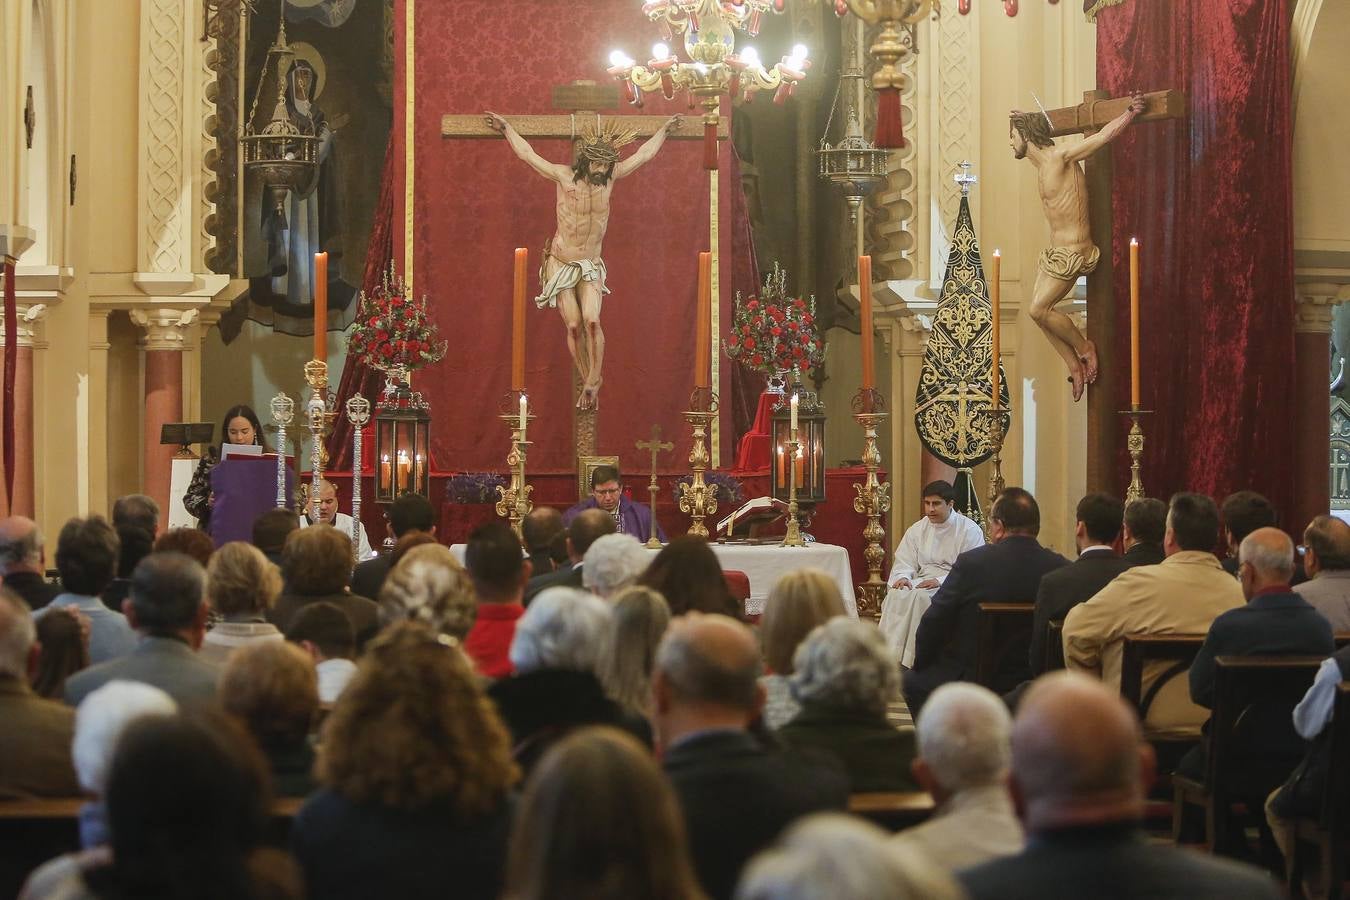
{"x": 572, "y": 276}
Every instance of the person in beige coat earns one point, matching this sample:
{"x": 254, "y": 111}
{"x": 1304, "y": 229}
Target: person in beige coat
{"x": 1181, "y": 595}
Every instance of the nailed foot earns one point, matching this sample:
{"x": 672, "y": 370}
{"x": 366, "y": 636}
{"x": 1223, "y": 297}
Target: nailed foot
{"x": 1076, "y": 379}
{"x": 1088, "y": 356}
{"x": 590, "y": 396}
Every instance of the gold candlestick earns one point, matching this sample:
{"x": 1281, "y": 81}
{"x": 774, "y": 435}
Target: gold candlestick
{"x": 996, "y": 483}
{"x": 1134, "y": 443}
{"x": 317, "y": 418}
{"x": 697, "y": 499}
{"x": 793, "y": 536}
{"x": 514, "y": 502}
{"x": 873, "y": 501}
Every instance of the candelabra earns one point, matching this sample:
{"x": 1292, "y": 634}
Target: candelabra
{"x": 317, "y": 415}
{"x": 514, "y": 502}
{"x": 358, "y": 413}
{"x": 793, "y": 536}
{"x": 283, "y": 413}
{"x": 996, "y": 483}
{"x": 873, "y": 501}
{"x": 1134, "y": 443}
{"x": 697, "y": 498}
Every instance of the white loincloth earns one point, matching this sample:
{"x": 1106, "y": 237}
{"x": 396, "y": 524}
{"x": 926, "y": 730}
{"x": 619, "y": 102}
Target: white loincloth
{"x": 567, "y": 276}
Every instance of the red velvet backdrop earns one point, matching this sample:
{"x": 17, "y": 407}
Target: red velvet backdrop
{"x": 1210, "y": 199}
{"x": 474, "y": 202}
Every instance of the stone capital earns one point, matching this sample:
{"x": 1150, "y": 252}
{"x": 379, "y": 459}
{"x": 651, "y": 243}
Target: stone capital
{"x": 30, "y": 315}
{"x": 165, "y": 328}
{"x": 1316, "y": 304}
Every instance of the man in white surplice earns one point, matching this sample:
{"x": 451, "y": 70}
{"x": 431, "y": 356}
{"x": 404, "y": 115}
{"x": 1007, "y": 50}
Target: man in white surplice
{"x": 922, "y": 561}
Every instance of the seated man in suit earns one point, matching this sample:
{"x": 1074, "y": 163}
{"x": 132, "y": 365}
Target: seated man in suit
{"x": 1182, "y": 595}
{"x": 630, "y": 517}
{"x": 1099, "y": 520}
{"x": 1326, "y": 559}
{"x": 23, "y": 561}
{"x": 1142, "y": 531}
{"x": 736, "y": 794}
{"x": 1006, "y": 570}
{"x": 167, "y": 609}
{"x": 584, "y": 530}
{"x": 1081, "y": 773}
{"x": 35, "y": 733}
{"x": 539, "y": 531}
{"x": 409, "y": 513}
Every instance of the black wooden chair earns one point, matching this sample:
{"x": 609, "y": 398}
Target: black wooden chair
{"x": 1252, "y": 745}
{"x": 1053, "y": 660}
{"x": 1342, "y": 638}
{"x": 1329, "y": 832}
{"x": 1138, "y": 650}
{"x": 1003, "y": 645}
{"x": 892, "y": 811}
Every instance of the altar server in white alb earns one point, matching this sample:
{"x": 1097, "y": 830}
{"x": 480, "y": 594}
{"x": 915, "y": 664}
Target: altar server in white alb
{"x": 923, "y": 559}
{"x": 329, "y": 515}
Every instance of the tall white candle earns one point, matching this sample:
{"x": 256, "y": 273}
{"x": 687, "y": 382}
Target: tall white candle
{"x": 524, "y": 410}
{"x": 793, "y": 423}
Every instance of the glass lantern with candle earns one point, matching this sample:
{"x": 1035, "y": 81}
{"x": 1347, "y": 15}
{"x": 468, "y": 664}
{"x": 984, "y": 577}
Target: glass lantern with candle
{"x": 402, "y": 444}
{"x": 810, "y": 463}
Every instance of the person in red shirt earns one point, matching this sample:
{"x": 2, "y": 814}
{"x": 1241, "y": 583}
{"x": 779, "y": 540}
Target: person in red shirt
{"x": 499, "y": 569}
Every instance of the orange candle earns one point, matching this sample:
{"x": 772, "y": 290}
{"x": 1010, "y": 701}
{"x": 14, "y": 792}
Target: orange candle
{"x": 703, "y": 337}
{"x": 321, "y": 306}
{"x": 1134, "y": 323}
{"x": 869, "y": 372}
{"x": 518, "y": 320}
{"x": 995, "y": 301}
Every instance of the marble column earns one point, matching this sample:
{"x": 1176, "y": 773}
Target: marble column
{"x": 1312, "y": 403}
{"x": 23, "y": 503}
{"x": 166, "y": 332}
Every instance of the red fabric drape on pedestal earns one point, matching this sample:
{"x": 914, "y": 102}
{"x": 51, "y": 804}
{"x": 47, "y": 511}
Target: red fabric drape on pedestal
{"x": 1209, "y": 197}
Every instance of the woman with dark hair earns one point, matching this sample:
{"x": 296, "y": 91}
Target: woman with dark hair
{"x": 416, "y": 778}
{"x": 686, "y": 572}
{"x": 600, "y": 821}
{"x": 240, "y": 426}
{"x": 188, "y": 806}
{"x": 64, "y": 636}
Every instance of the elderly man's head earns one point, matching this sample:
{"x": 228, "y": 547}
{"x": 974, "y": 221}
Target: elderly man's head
{"x": 963, "y": 735}
{"x": 1265, "y": 560}
{"x": 21, "y": 546}
{"x": 167, "y": 591}
{"x": 18, "y": 636}
{"x": 1327, "y": 540}
{"x": 137, "y": 510}
{"x": 706, "y": 676}
{"x": 1078, "y": 755}
{"x": 540, "y": 528}
{"x": 846, "y": 665}
{"x": 100, "y": 720}
{"x": 564, "y": 628}
{"x": 613, "y": 562}
{"x": 588, "y": 527}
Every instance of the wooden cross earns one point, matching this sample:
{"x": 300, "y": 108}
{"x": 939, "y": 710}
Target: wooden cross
{"x": 657, "y": 447}
{"x": 1096, "y": 110}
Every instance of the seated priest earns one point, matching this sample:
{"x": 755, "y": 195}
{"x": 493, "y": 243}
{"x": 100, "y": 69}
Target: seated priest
{"x": 922, "y": 560}
{"x": 630, "y": 517}
{"x": 329, "y": 515}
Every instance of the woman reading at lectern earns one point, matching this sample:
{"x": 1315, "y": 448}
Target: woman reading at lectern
{"x": 241, "y": 426}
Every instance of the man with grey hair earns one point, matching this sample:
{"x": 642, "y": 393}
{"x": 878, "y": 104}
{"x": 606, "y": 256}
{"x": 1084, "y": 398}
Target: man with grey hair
{"x": 736, "y": 794}
{"x": 964, "y": 753}
{"x": 1326, "y": 560}
{"x": 136, "y": 511}
{"x": 35, "y": 734}
{"x": 845, "y": 676}
{"x": 167, "y": 610}
{"x": 1081, "y": 773}
{"x": 23, "y": 561}
{"x": 612, "y": 563}
{"x": 555, "y": 655}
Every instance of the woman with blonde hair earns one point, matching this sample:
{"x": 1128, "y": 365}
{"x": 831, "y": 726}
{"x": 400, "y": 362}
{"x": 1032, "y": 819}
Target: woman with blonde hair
{"x": 416, "y": 771}
{"x": 241, "y": 587}
{"x": 429, "y": 585}
{"x": 641, "y": 616}
{"x": 797, "y": 603}
{"x": 600, "y": 821}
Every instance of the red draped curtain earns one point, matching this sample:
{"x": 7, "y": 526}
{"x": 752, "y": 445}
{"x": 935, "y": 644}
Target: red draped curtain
{"x": 1209, "y": 197}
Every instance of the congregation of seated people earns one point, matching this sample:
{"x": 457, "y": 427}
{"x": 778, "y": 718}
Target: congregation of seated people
{"x": 565, "y": 714}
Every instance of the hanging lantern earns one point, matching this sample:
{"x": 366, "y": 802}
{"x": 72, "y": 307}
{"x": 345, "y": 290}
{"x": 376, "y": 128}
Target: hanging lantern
{"x": 810, "y": 462}
{"x": 402, "y": 443}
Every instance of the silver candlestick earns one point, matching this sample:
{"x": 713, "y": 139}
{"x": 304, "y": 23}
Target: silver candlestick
{"x": 283, "y": 413}
{"x": 358, "y": 413}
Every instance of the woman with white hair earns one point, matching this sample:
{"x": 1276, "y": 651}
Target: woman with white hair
{"x": 555, "y": 686}
{"x": 844, "y": 679}
{"x": 612, "y": 563}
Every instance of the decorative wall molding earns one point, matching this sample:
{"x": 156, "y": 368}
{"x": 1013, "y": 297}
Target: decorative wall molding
{"x": 957, "y": 101}
{"x": 165, "y": 328}
{"x": 892, "y": 226}
{"x": 1316, "y": 306}
{"x": 206, "y": 152}
{"x": 165, "y": 203}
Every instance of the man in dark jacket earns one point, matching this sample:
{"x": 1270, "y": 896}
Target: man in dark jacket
{"x": 1143, "y": 531}
{"x": 736, "y": 794}
{"x": 1006, "y": 570}
{"x": 582, "y": 531}
{"x": 411, "y": 512}
{"x": 23, "y": 561}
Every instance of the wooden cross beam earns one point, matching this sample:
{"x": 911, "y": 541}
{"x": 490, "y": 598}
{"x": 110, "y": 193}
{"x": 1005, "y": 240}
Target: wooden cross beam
{"x": 1097, "y": 109}
{"x": 583, "y": 101}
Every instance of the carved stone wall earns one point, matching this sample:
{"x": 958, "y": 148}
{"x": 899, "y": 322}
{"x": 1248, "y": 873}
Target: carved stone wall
{"x": 892, "y": 237}
{"x": 165, "y": 237}
{"x": 223, "y": 123}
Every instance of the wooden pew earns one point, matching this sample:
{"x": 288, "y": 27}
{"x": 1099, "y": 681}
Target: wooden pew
{"x": 1003, "y": 645}
{"x": 894, "y": 812}
{"x": 1141, "y": 649}
{"x": 1330, "y": 832}
{"x": 1053, "y": 660}
{"x": 1252, "y": 745}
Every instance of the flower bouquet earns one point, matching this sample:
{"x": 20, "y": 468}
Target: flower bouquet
{"x": 393, "y": 332}
{"x": 774, "y": 333}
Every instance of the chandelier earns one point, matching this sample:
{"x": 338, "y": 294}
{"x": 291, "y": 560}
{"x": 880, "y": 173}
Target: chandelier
{"x": 284, "y": 157}
{"x": 712, "y": 66}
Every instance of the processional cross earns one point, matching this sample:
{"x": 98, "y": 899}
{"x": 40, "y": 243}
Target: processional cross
{"x": 657, "y": 447}
{"x": 582, "y": 101}
{"x": 1096, "y": 110}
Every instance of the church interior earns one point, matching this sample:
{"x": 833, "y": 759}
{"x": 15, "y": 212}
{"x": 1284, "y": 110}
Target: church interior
{"x": 909, "y": 295}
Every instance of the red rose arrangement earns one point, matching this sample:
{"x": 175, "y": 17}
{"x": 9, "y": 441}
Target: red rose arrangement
{"x": 774, "y": 332}
{"x": 392, "y": 330}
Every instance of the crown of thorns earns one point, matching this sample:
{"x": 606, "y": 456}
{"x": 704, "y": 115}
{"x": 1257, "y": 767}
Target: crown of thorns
{"x": 602, "y": 145}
